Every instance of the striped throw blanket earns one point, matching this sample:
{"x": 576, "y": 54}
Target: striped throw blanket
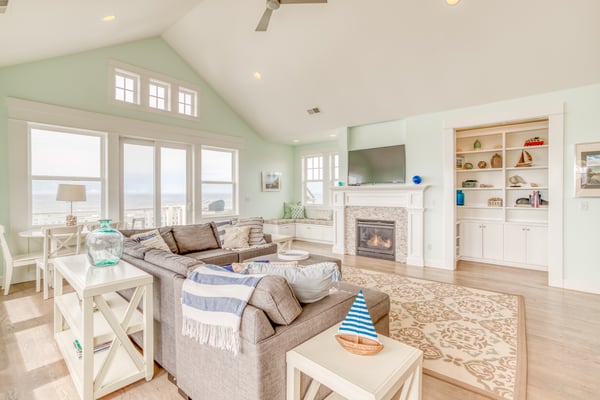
{"x": 213, "y": 300}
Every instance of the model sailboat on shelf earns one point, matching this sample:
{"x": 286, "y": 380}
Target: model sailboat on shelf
{"x": 357, "y": 332}
{"x": 525, "y": 160}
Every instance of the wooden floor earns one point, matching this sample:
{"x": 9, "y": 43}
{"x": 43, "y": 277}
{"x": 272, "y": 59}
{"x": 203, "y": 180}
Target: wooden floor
{"x": 563, "y": 338}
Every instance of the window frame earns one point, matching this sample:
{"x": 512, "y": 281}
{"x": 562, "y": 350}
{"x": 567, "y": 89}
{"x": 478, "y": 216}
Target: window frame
{"x": 72, "y": 131}
{"x": 167, "y": 98}
{"x": 234, "y": 176}
{"x": 156, "y": 145}
{"x": 328, "y": 176}
{"x": 136, "y": 86}
{"x": 194, "y": 103}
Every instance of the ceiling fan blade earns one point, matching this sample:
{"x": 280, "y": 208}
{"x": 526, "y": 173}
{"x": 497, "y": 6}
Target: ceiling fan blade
{"x": 301, "y": 1}
{"x": 264, "y": 21}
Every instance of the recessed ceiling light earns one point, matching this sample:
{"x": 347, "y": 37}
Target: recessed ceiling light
{"x": 296, "y": 141}
{"x": 452, "y": 2}
{"x": 257, "y": 76}
{"x": 333, "y": 135}
{"x": 108, "y": 18}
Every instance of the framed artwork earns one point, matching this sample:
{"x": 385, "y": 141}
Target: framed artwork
{"x": 587, "y": 169}
{"x": 271, "y": 181}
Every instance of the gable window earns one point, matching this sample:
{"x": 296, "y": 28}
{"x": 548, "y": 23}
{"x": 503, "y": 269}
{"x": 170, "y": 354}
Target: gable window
{"x": 219, "y": 181}
{"x": 188, "y": 100}
{"x": 159, "y": 95}
{"x": 319, "y": 172}
{"x": 127, "y": 87}
{"x": 64, "y": 156}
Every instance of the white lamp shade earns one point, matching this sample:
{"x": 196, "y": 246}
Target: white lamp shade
{"x": 67, "y": 192}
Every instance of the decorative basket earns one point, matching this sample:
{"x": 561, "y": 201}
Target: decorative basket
{"x": 495, "y": 202}
{"x": 359, "y": 345}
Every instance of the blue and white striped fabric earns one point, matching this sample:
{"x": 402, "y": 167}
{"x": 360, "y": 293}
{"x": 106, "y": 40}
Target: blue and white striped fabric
{"x": 358, "y": 320}
{"x": 213, "y": 300}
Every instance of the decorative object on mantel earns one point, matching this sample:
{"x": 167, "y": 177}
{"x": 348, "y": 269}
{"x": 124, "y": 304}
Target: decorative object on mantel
{"x": 71, "y": 193}
{"x": 526, "y": 160}
{"x": 357, "y": 333}
{"x": 417, "y": 179}
{"x": 469, "y": 183}
{"x": 495, "y": 202}
{"x": 534, "y": 141}
{"x": 468, "y": 165}
{"x": 496, "y": 161}
{"x": 477, "y": 144}
{"x": 104, "y": 245}
{"x": 481, "y": 164}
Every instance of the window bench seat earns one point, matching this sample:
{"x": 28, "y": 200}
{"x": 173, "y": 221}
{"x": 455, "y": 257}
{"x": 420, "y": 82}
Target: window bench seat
{"x": 311, "y": 230}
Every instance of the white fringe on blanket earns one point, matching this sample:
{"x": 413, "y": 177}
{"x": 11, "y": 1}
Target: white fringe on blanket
{"x": 212, "y": 302}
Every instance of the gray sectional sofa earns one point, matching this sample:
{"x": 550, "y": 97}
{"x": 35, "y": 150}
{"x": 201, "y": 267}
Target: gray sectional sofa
{"x": 273, "y": 322}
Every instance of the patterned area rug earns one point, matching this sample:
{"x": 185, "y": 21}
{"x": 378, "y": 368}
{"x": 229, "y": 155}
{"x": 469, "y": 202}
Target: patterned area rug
{"x": 472, "y": 338}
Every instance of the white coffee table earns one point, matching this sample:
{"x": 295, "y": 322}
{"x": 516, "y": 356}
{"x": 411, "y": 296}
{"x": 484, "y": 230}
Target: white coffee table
{"x": 283, "y": 242}
{"x": 378, "y": 377}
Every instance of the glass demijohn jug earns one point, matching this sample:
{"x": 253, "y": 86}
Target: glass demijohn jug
{"x": 104, "y": 245}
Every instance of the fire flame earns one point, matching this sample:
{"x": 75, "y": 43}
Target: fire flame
{"x": 377, "y": 241}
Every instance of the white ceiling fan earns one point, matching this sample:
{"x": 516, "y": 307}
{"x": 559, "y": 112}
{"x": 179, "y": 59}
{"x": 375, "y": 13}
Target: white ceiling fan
{"x": 263, "y": 24}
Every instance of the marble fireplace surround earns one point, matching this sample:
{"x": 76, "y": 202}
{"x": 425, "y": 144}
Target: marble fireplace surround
{"x": 401, "y": 203}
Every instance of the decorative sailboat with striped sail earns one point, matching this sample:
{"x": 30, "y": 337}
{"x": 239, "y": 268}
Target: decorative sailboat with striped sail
{"x": 357, "y": 332}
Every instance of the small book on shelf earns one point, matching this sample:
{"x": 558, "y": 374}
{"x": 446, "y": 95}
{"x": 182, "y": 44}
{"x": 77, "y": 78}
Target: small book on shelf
{"x": 97, "y": 348}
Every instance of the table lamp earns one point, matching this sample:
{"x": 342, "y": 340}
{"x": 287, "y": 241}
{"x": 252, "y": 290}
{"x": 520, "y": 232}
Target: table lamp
{"x": 71, "y": 193}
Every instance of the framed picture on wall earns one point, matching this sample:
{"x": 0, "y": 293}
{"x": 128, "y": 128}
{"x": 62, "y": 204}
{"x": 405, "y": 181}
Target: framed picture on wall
{"x": 587, "y": 169}
{"x": 271, "y": 181}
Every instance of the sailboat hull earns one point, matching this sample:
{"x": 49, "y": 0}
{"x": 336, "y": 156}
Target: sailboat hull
{"x": 359, "y": 345}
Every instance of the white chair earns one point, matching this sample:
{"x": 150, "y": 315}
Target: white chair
{"x": 11, "y": 262}
{"x": 58, "y": 242}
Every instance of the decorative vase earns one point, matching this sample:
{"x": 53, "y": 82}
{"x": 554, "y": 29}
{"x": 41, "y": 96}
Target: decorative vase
{"x": 477, "y": 144}
{"x": 104, "y": 245}
{"x": 417, "y": 179}
{"x": 460, "y": 198}
{"x": 496, "y": 161}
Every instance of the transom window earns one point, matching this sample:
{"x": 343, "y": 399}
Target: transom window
{"x": 127, "y": 87}
{"x": 158, "y": 95}
{"x": 219, "y": 181}
{"x": 187, "y": 102}
{"x": 63, "y": 156}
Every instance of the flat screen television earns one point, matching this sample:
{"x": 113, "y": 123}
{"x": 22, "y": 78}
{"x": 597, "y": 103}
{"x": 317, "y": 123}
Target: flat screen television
{"x": 377, "y": 165}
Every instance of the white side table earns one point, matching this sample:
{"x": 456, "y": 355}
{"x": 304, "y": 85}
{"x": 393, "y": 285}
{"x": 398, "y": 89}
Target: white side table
{"x": 284, "y": 242}
{"x": 381, "y": 376}
{"x": 75, "y": 317}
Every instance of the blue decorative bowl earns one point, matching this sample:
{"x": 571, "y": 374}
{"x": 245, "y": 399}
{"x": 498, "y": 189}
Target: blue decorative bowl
{"x": 417, "y": 179}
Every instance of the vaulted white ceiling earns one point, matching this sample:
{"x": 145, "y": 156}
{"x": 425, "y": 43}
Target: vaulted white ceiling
{"x": 358, "y": 61}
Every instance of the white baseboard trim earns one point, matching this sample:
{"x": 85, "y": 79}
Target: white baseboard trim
{"x": 436, "y": 263}
{"x": 582, "y": 286}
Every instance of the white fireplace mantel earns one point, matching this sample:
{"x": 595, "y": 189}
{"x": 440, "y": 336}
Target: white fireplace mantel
{"x": 410, "y": 197}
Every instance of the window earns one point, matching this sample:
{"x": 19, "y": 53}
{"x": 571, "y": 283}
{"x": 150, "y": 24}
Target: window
{"x": 187, "y": 102}
{"x": 319, "y": 172}
{"x": 219, "y": 181}
{"x": 127, "y": 87}
{"x": 158, "y": 95}
{"x": 60, "y": 155}
{"x": 151, "y": 194}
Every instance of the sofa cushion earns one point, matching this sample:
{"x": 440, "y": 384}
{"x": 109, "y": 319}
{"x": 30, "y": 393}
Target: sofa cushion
{"x": 198, "y": 237}
{"x": 256, "y": 229}
{"x": 236, "y": 237}
{"x": 170, "y": 261}
{"x": 274, "y": 296}
{"x": 167, "y": 235}
{"x": 215, "y": 256}
{"x": 151, "y": 239}
{"x": 310, "y": 283}
{"x": 323, "y": 214}
{"x": 134, "y": 248}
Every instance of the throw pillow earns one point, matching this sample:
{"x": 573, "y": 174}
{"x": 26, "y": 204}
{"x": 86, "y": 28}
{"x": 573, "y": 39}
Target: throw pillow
{"x": 298, "y": 212}
{"x": 274, "y": 296}
{"x": 257, "y": 235}
{"x": 151, "y": 239}
{"x": 236, "y": 237}
{"x": 310, "y": 283}
{"x": 198, "y": 237}
{"x": 287, "y": 209}
{"x": 221, "y": 225}
{"x": 318, "y": 213}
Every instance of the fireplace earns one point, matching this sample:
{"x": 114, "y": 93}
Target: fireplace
{"x": 375, "y": 238}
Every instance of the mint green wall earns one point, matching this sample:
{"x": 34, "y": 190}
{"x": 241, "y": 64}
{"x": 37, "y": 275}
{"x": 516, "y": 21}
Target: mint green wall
{"x": 423, "y": 136}
{"x": 80, "y": 81}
